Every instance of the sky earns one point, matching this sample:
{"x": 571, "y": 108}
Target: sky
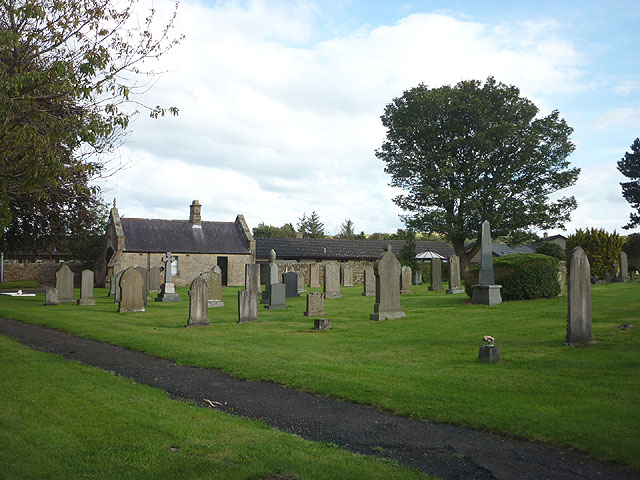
{"x": 280, "y": 102}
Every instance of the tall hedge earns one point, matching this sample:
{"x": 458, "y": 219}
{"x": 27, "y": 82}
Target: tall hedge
{"x": 523, "y": 276}
{"x": 601, "y": 248}
{"x": 552, "y": 249}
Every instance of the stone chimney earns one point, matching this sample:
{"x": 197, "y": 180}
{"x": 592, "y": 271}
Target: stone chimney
{"x": 194, "y": 214}
{"x": 546, "y": 235}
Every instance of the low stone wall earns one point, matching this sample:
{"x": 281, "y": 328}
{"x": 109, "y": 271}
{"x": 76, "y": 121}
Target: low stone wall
{"x": 45, "y": 273}
{"x": 304, "y": 268}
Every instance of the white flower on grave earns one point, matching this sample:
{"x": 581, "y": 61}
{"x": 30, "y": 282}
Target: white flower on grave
{"x": 488, "y": 340}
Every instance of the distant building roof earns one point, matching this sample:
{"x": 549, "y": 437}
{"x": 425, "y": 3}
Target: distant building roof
{"x": 154, "y": 235}
{"x": 500, "y": 249}
{"x": 338, "y": 249}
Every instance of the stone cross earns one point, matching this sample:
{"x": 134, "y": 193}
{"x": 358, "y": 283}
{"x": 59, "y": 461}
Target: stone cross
{"x": 486, "y": 266}
{"x": 168, "y": 259}
{"x": 579, "y": 299}
{"x": 387, "y": 272}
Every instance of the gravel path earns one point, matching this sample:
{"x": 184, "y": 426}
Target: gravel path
{"x": 438, "y": 449}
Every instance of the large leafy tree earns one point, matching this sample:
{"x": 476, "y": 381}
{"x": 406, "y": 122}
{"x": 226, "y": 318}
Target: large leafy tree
{"x": 629, "y": 166}
{"x": 68, "y": 73}
{"x": 477, "y": 152}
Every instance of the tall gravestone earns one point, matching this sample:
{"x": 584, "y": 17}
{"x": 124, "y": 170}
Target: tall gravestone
{"x": 168, "y": 288}
{"x": 405, "y": 280}
{"x": 144, "y": 273}
{"x": 155, "y": 279}
{"x": 417, "y": 277}
{"x": 369, "y": 282}
{"x": 347, "y": 275}
{"x": 624, "y": 267}
{"x": 64, "y": 284}
{"x": 247, "y": 306}
{"x": 131, "y": 285}
{"x": 86, "y": 289}
{"x": 387, "y": 272}
{"x": 579, "y": 298}
{"x": 290, "y": 280}
{"x": 214, "y": 285}
{"x": 486, "y": 292}
{"x": 112, "y": 286}
{"x": 252, "y": 277}
{"x": 276, "y": 300}
{"x": 314, "y": 275}
{"x": 198, "y": 308}
{"x": 272, "y": 276}
{"x": 301, "y": 283}
{"x": 435, "y": 279}
{"x": 315, "y": 304}
{"x": 51, "y": 296}
{"x": 455, "y": 283}
{"x": 116, "y": 281}
{"x": 332, "y": 280}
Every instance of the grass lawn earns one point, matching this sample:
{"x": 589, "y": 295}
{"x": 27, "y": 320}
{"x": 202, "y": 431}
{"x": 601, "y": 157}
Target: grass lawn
{"x": 423, "y": 366}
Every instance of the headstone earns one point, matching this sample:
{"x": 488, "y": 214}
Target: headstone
{"x": 247, "y": 306}
{"x": 276, "y": 297}
{"x": 624, "y": 267}
{"x": 405, "y": 280}
{"x": 214, "y": 285}
{"x": 117, "y": 293}
{"x": 435, "y": 278}
{"x": 489, "y": 354}
{"x": 455, "y": 284}
{"x": 417, "y": 277}
{"x": 347, "y": 275}
{"x": 112, "y": 286}
{"x": 332, "y": 280}
{"x": 607, "y": 277}
{"x": 562, "y": 277}
{"x": 387, "y": 272}
{"x": 486, "y": 292}
{"x": 579, "y": 298}
{"x": 198, "y": 309}
{"x": 86, "y": 289}
{"x": 107, "y": 285}
{"x": 144, "y": 273}
{"x": 314, "y": 275}
{"x": 301, "y": 283}
{"x": 633, "y": 275}
{"x": 369, "y": 282}
{"x": 315, "y": 304}
{"x": 64, "y": 284}
{"x": 155, "y": 279}
{"x": 252, "y": 277}
{"x": 272, "y": 276}
{"x": 51, "y": 296}
{"x": 322, "y": 324}
{"x": 290, "y": 280}
{"x": 131, "y": 285}
{"x": 167, "y": 289}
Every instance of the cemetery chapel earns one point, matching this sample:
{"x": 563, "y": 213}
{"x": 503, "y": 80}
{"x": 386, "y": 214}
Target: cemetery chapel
{"x": 195, "y": 245}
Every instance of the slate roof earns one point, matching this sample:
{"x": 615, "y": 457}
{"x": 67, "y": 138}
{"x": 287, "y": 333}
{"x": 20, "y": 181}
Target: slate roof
{"x": 338, "y": 249}
{"x": 500, "y": 249}
{"x": 156, "y": 236}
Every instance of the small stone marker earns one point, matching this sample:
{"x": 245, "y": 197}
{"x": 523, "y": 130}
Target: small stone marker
{"x": 51, "y": 296}
{"x": 314, "y": 275}
{"x": 155, "y": 279}
{"x": 417, "y": 277}
{"x": 167, "y": 289}
{"x": 369, "y": 282}
{"x": 214, "y": 285}
{"x": 332, "y": 280}
{"x": 455, "y": 284}
{"x": 387, "y": 272}
{"x": 116, "y": 281}
{"x": 247, "y": 306}
{"x": 198, "y": 308}
{"x": 489, "y": 354}
{"x": 315, "y": 304}
{"x": 252, "y": 277}
{"x": 579, "y": 298}
{"x": 276, "y": 297}
{"x": 486, "y": 292}
{"x": 322, "y": 324}
{"x": 290, "y": 280}
{"x": 131, "y": 285}
{"x": 624, "y": 267}
{"x": 64, "y": 284}
{"x": 347, "y": 275}
{"x": 633, "y": 275}
{"x": 86, "y": 289}
{"x": 144, "y": 273}
{"x": 405, "y": 280}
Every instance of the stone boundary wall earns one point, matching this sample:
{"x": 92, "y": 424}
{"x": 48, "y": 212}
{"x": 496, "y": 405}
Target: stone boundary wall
{"x": 304, "y": 268}
{"x": 45, "y": 273}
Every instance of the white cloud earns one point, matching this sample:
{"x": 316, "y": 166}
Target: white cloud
{"x": 618, "y": 116}
{"x": 626, "y": 87}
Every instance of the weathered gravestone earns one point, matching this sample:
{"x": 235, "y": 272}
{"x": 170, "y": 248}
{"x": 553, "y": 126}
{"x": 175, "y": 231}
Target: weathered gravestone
{"x": 276, "y": 299}
{"x": 301, "y": 283}
{"x": 116, "y": 282}
{"x": 64, "y": 284}
{"x": 198, "y": 308}
{"x": 624, "y": 267}
{"x": 322, "y": 324}
{"x": 417, "y": 277}
{"x": 155, "y": 279}
{"x": 314, "y": 275}
{"x": 86, "y": 289}
{"x": 272, "y": 276}
{"x": 332, "y": 280}
{"x": 51, "y": 296}
{"x": 633, "y": 275}
{"x": 214, "y": 285}
{"x": 579, "y": 298}
{"x": 435, "y": 278}
{"x": 131, "y": 285}
{"x": 562, "y": 277}
{"x": 112, "y": 286}
{"x": 405, "y": 280}
{"x": 315, "y": 304}
{"x": 486, "y": 292}
{"x": 347, "y": 275}
{"x": 369, "y": 282}
{"x": 455, "y": 284}
{"x": 290, "y": 280}
{"x": 252, "y": 277}
{"x": 144, "y": 273}
{"x": 167, "y": 289}
{"x": 247, "y": 306}
{"x": 387, "y": 272}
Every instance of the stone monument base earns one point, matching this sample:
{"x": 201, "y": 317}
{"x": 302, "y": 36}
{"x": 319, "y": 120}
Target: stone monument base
{"x": 386, "y": 315}
{"x": 489, "y": 354}
{"x": 435, "y": 289}
{"x": 453, "y": 291}
{"x": 486, "y": 295}
{"x": 322, "y": 324}
{"x": 405, "y": 292}
{"x": 87, "y": 301}
{"x": 330, "y": 296}
{"x": 168, "y": 293}
{"x": 215, "y": 303}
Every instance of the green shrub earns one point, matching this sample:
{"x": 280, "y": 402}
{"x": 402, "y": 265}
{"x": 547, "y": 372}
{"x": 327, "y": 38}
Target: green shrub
{"x": 632, "y": 248}
{"x": 552, "y": 249}
{"x": 523, "y": 276}
{"x": 601, "y": 248}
